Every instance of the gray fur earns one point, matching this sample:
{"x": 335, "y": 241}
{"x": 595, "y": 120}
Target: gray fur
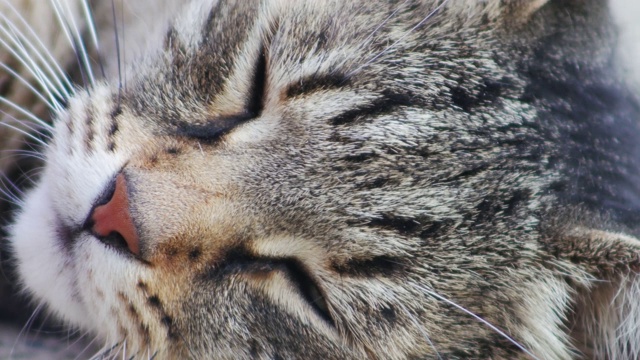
{"x": 483, "y": 163}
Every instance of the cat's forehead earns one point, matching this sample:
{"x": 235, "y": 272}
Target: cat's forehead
{"x": 311, "y": 26}
{"x": 212, "y": 49}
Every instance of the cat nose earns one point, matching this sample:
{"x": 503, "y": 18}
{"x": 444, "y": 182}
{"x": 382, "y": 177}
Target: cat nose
{"x": 111, "y": 222}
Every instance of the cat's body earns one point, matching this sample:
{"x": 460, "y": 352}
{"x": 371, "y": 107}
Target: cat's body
{"x": 293, "y": 179}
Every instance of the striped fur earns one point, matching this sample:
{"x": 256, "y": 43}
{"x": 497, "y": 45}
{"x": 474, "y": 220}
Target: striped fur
{"x": 346, "y": 179}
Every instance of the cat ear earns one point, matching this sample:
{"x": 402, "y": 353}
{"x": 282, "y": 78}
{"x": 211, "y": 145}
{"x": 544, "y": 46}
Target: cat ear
{"x": 596, "y": 251}
{"x": 602, "y": 267}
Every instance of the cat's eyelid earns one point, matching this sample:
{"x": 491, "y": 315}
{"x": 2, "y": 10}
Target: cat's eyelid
{"x": 255, "y": 103}
{"x": 213, "y": 130}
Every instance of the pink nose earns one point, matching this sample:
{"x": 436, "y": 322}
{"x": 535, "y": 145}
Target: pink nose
{"x": 114, "y": 217}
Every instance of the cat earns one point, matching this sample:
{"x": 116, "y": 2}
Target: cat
{"x": 442, "y": 179}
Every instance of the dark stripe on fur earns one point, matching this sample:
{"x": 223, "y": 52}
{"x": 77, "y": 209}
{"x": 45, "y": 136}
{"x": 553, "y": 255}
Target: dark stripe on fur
{"x": 317, "y": 82}
{"x": 389, "y": 102}
{"x": 213, "y": 130}
{"x": 255, "y": 104}
{"x": 90, "y": 133}
{"x": 369, "y": 267}
{"x": 400, "y": 224}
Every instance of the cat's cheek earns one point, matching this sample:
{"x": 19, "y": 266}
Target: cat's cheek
{"x": 104, "y": 278}
{"x": 45, "y": 268}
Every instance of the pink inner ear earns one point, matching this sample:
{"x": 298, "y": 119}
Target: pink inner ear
{"x": 114, "y": 216}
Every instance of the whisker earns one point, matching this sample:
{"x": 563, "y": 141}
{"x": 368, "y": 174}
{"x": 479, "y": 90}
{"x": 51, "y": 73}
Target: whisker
{"x": 23, "y": 154}
{"x": 91, "y": 23}
{"x": 87, "y": 347}
{"x": 94, "y": 35}
{"x": 33, "y": 128}
{"x": 105, "y": 351}
{"x": 15, "y": 188}
{"x": 27, "y": 113}
{"x": 81, "y": 49}
{"x": 43, "y": 49}
{"x": 124, "y": 47}
{"x": 25, "y": 133}
{"x": 26, "y": 326}
{"x": 384, "y": 22}
{"x": 8, "y": 195}
{"x": 66, "y": 29}
{"x": 187, "y": 345}
{"x": 420, "y": 328}
{"x": 117, "y": 38}
{"x": 470, "y": 313}
{"x": 20, "y": 52}
{"x": 29, "y": 175}
{"x": 51, "y": 105}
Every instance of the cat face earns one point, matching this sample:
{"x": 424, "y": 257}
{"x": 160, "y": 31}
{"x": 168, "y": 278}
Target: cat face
{"x": 319, "y": 180}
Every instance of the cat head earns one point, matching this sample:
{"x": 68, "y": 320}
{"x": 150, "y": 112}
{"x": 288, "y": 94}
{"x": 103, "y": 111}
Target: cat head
{"x": 341, "y": 180}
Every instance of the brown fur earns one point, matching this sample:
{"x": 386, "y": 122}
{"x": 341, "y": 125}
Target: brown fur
{"x": 330, "y": 180}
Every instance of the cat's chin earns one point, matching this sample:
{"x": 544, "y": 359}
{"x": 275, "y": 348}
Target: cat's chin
{"x": 45, "y": 264}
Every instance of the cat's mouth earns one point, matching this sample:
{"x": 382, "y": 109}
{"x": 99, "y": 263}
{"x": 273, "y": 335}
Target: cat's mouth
{"x": 65, "y": 234}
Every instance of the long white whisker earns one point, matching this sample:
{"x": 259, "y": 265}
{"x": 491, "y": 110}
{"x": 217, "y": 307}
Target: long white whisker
{"x": 37, "y": 74}
{"x": 27, "y": 113}
{"x": 11, "y": 153}
{"x": 30, "y": 130}
{"x": 8, "y": 195}
{"x": 124, "y": 47}
{"x": 34, "y": 119}
{"x": 390, "y": 47}
{"x": 66, "y": 30}
{"x": 53, "y": 106}
{"x": 27, "y": 126}
{"x": 107, "y": 350}
{"x": 19, "y": 39}
{"x": 29, "y": 176}
{"x": 27, "y": 134}
{"x": 91, "y": 24}
{"x": 43, "y": 49}
{"x": 43, "y": 129}
{"x": 78, "y": 39}
{"x": 117, "y": 39}
{"x": 384, "y": 22}
{"x": 20, "y": 53}
{"x": 90, "y": 344}
{"x": 13, "y": 186}
{"x": 485, "y": 322}
{"x": 26, "y": 327}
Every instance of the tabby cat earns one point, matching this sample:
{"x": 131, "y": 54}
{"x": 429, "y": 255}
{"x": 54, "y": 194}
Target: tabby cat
{"x": 374, "y": 179}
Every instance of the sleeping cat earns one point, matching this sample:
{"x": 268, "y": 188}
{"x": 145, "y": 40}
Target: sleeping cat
{"x": 451, "y": 179}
